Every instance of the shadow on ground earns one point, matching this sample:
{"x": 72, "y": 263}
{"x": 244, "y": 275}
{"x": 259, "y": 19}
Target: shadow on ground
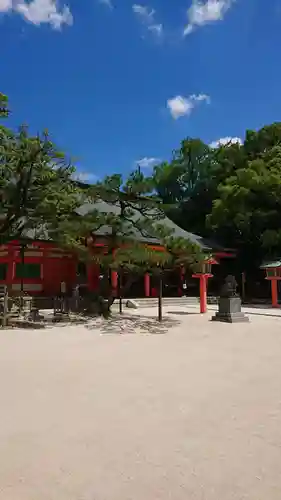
{"x": 65, "y": 320}
{"x": 182, "y": 313}
{"x": 267, "y": 307}
{"x": 270, "y": 315}
{"x": 135, "y": 324}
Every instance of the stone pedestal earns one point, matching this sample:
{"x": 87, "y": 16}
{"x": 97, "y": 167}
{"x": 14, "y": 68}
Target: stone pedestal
{"x": 230, "y": 311}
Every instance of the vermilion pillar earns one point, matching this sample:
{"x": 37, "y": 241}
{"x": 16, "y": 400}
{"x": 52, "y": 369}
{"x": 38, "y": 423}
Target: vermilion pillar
{"x": 147, "y": 285}
{"x": 203, "y": 293}
{"x": 274, "y": 293}
{"x": 114, "y": 281}
{"x": 273, "y": 274}
{"x": 203, "y": 280}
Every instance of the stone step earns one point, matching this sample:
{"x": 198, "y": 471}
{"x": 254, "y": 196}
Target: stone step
{"x": 166, "y": 301}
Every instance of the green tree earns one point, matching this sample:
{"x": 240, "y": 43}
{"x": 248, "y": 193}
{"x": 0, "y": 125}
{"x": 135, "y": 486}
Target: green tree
{"x": 36, "y": 189}
{"x": 257, "y": 143}
{"x": 129, "y": 214}
{"x": 39, "y": 199}
{"x": 3, "y": 105}
{"x": 187, "y": 184}
{"x": 247, "y": 210}
{"x": 178, "y": 180}
{"x": 231, "y": 193}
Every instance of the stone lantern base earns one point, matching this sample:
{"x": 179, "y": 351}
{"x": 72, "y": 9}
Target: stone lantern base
{"x": 230, "y": 311}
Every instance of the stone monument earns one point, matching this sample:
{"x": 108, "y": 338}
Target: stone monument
{"x": 230, "y": 303}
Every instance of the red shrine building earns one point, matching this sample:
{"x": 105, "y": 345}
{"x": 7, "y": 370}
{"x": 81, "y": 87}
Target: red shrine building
{"x": 40, "y": 267}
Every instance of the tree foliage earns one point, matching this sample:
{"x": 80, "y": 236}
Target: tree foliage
{"x": 231, "y": 192}
{"x": 247, "y": 208}
{"x": 36, "y": 189}
{"x": 39, "y": 199}
{"x": 3, "y": 105}
{"x": 129, "y": 214}
{"x": 184, "y": 185}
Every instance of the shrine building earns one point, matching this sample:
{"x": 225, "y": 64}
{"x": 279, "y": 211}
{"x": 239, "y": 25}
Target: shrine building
{"x": 39, "y": 267}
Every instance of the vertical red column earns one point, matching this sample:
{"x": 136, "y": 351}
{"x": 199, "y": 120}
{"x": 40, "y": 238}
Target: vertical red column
{"x": 114, "y": 281}
{"x": 203, "y": 293}
{"x": 274, "y": 293}
{"x": 203, "y": 281}
{"x": 147, "y": 285}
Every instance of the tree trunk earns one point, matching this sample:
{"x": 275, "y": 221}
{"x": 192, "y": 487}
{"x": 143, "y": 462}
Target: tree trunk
{"x": 160, "y": 316}
{"x": 104, "y": 304}
{"x": 120, "y": 285}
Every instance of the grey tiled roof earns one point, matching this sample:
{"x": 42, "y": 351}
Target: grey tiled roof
{"x": 270, "y": 265}
{"x": 177, "y": 232}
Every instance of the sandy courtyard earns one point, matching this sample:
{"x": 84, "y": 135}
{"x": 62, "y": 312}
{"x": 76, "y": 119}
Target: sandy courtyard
{"x": 188, "y": 412}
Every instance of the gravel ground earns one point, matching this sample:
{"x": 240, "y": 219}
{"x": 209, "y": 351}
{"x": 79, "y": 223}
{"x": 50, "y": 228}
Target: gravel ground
{"x": 185, "y": 410}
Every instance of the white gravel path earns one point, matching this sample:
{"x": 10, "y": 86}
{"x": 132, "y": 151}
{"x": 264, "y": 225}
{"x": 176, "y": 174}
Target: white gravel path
{"x": 187, "y": 410}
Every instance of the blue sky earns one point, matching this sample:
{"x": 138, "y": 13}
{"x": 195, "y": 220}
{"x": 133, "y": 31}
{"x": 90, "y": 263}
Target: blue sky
{"x": 120, "y": 81}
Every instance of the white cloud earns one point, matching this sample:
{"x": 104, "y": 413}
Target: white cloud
{"x": 183, "y": 106}
{"x": 147, "y": 162}
{"x": 157, "y": 29}
{"x": 201, "y": 13}
{"x": 147, "y": 18}
{"x": 5, "y": 5}
{"x": 45, "y": 11}
{"x": 108, "y": 3}
{"x": 225, "y": 141}
{"x": 146, "y": 14}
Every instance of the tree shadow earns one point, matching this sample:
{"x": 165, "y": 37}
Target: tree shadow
{"x": 66, "y": 320}
{"x": 127, "y": 324}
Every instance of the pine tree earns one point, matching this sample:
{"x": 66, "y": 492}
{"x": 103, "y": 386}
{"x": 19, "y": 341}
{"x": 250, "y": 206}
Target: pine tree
{"x": 130, "y": 215}
{"x": 3, "y": 105}
{"x": 39, "y": 199}
{"x": 36, "y": 189}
